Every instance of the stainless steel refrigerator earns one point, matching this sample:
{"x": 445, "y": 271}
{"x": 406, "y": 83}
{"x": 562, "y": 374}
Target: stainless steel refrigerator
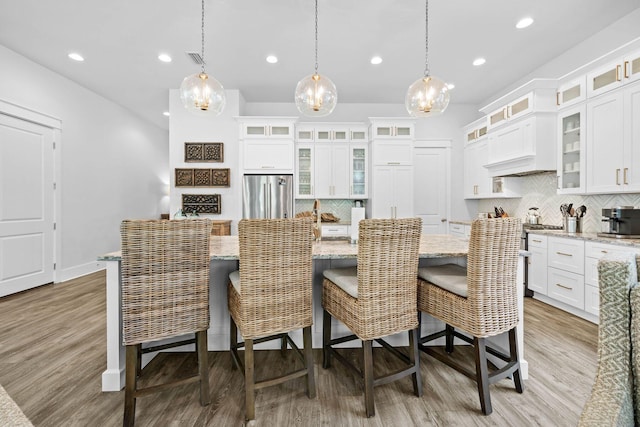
{"x": 267, "y": 196}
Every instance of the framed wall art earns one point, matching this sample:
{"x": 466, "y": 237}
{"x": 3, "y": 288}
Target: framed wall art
{"x": 202, "y": 203}
{"x": 194, "y": 177}
{"x": 203, "y": 152}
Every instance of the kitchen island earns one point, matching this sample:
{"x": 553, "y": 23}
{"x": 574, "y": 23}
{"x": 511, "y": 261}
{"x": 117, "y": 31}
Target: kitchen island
{"x": 434, "y": 250}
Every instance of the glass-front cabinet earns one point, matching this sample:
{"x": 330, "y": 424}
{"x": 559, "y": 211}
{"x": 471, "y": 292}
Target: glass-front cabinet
{"x": 304, "y": 178}
{"x": 359, "y": 174}
{"x": 614, "y": 74}
{"x": 571, "y": 92}
{"x": 571, "y": 145}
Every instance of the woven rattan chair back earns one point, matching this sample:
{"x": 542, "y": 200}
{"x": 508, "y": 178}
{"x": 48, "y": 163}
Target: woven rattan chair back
{"x": 165, "y": 278}
{"x": 276, "y": 273}
{"x": 492, "y": 265}
{"x": 387, "y": 276}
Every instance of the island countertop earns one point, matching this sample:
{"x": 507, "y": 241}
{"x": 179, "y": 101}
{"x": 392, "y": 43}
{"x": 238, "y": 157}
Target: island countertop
{"x": 431, "y": 246}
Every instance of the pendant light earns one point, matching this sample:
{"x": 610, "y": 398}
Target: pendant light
{"x": 200, "y": 93}
{"x": 316, "y": 95}
{"x": 427, "y": 96}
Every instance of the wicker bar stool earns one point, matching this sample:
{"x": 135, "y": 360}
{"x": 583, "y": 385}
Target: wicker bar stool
{"x": 165, "y": 293}
{"x": 270, "y": 296}
{"x": 481, "y": 301}
{"x": 377, "y": 299}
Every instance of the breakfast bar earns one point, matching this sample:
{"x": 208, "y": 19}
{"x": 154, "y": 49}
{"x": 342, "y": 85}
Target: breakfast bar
{"x": 434, "y": 250}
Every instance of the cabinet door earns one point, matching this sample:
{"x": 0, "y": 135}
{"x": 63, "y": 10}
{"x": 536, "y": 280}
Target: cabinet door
{"x": 392, "y": 152}
{"x": 392, "y": 130}
{"x": 631, "y": 169}
{"x": 323, "y": 162}
{"x": 537, "y": 271}
{"x": 359, "y": 171}
{"x": 269, "y": 156}
{"x": 604, "y": 144}
{"x": 304, "y": 179}
{"x": 605, "y": 78}
{"x": 512, "y": 142}
{"x": 566, "y": 287}
{"x": 520, "y": 106}
{"x": 571, "y": 159}
{"x": 476, "y": 176}
{"x": 566, "y": 254}
{"x": 571, "y": 92}
{"x": 497, "y": 118}
{"x": 632, "y": 66}
{"x": 403, "y": 191}
{"x": 382, "y": 192}
{"x": 305, "y": 134}
{"x": 341, "y": 179}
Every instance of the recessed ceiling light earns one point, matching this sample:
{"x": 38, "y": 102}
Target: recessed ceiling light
{"x": 524, "y": 22}
{"x": 450, "y": 86}
{"x": 76, "y": 56}
{"x": 376, "y": 60}
{"x": 164, "y": 57}
{"x": 272, "y": 59}
{"x": 166, "y": 113}
{"x": 479, "y": 61}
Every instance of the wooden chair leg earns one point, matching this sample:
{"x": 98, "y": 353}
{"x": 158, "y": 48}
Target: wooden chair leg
{"x": 308, "y": 359}
{"x": 233, "y": 340}
{"x": 283, "y": 345}
{"x": 326, "y": 339}
{"x": 414, "y": 358}
{"x": 203, "y": 367}
{"x": 513, "y": 356}
{"x": 139, "y": 364}
{"x": 482, "y": 374}
{"x": 368, "y": 377}
{"x": 131, "y": 370}
{"x": 249, "y": 381}
{"x": 449, "y": 339}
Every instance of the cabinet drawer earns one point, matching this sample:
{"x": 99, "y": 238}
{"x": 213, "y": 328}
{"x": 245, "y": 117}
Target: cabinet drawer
{"x": 566, "y": 254}
{"x": 592, "y": 300}
{"x": 537, "y": 241}
{"x": 598, "y": 250}
{"x": 591, "y": 271}
{"x": 341, "y": 230}
{"x": 457, "y": 230}
{"x": 566, "y": 287}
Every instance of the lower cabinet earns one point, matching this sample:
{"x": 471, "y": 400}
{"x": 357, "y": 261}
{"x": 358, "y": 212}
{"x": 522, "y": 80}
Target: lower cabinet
{"x": 566, "y": 287}
{"x": 537, "y": 264}
{"x": 335, "y": 230}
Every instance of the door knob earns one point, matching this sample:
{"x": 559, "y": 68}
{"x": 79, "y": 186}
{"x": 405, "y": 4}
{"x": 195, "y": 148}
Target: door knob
{"x": 443, "y": 219}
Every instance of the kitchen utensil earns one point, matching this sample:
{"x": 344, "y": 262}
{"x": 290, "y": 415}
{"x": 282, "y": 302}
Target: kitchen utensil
{"x": 564, "y": 208}
{"x": 572, "y": 212}
{"x": 569, "y": 209}
{"x": 583, "y": 211}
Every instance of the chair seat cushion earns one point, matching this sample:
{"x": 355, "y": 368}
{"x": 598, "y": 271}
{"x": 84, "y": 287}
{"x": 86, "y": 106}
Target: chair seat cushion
{"x": 234, "y": 277}
{"x": 450, "y": 277}
{"x": 345, "y": 278}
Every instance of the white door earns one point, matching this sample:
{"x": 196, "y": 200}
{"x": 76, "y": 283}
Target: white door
{"x": 26, "y": 205}
{"x": 431, "y": 188}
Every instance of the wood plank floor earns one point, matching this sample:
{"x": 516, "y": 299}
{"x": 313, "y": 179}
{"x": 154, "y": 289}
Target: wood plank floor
{"x": 52, "y": 355}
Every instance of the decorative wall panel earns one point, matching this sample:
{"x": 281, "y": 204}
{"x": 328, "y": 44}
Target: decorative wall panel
{"x": 202, "y": 203}
{"x": 193, "y": 177}
{"x": 204, "y": 152}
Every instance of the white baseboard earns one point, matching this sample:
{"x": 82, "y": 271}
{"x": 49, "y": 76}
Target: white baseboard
{"x": 77, "y": 271}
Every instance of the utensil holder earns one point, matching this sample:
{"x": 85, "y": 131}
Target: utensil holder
{"x": 572, "y": 224}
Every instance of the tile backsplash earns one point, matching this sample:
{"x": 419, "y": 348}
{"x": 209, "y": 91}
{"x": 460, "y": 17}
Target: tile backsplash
{"x": 540, "y": 191}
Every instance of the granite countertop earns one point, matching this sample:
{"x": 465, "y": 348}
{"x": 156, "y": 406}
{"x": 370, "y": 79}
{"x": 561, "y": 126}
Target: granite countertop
{"x": 431, "y": 246}
{"x": 467, "y": 222}
{"x": 592, "y": 237}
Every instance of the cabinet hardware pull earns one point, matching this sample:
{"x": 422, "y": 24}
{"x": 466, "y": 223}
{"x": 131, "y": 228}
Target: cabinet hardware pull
{"x": 626, "y": 69}
{"x": 268, "y": 167}
{"x": 604, "y": 252}
{"x": 504, "y": 113}
{"x": 564, "y": 254}
{"x": 564, "y": 287}
{"x": 624, "y": 175}
{"x": 618, "y": 78}
{"x": 557, "y": 98}
{"x": 393, "y": 163}
{"x": 537, "y": 241}
{"x": 617, "y": 176}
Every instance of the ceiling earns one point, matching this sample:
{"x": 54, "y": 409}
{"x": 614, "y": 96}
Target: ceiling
{"x": 121, "y": 39}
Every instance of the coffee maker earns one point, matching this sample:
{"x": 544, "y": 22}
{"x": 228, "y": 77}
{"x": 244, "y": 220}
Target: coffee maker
{"x": 623, "y": 222}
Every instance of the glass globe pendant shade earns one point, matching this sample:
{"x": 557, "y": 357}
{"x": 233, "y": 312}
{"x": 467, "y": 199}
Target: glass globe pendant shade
{"x": 202, "y": 95}
{"x": 316, "y": 96}
{"x": 427, "y": 97}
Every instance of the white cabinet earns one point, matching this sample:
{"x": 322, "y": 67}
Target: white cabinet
{"x": 460, "y": 230}
{"x": 476, "y": 130}
{"x": 537, "y": 263}
{"x": 331, "y": 132}
{"x": 571, "y": 144}
{"x": 385, "y": 129}
{"x": 266, "y": 127}
{"x": 359, "y": 171}
{"x": 331, "y": 166}
{"x": 304, "y": 171}
{"x": 613, "y": 142}
{"x": 268, "y": 156}
{"x": 511, "y": 111}
{"x": 565, "y": 275}
{"x": 392, "y": 192}
{"x": 477, "y": 182}
{"x": 523, "y": 147}
{"x": 396, "y": 152}
{"x": 614, "y": 74}
{"x": 571, "y": 92}
{"x": 335, "y": 230}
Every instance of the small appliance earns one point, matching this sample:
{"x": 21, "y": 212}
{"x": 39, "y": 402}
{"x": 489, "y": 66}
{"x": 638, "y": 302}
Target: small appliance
{"x": 623, "y": 222}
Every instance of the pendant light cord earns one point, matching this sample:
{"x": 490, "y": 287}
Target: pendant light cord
{"x": 426, "y": 39}
{"x": 316, "y": 36}
{"x": 203, "y": 37}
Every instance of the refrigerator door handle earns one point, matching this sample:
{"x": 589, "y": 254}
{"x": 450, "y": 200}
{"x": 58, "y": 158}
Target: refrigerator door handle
{"x": 265, "y": 200}
{"x": 269, "y": 206}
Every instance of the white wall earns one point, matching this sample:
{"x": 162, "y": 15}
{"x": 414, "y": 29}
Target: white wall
{"x": 113, "y": 164}
{"x": 186, "y": 127}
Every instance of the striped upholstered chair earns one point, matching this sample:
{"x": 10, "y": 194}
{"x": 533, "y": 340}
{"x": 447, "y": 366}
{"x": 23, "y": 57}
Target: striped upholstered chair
{"x": 165, "y": 294}
{"x": 612, "y": 398}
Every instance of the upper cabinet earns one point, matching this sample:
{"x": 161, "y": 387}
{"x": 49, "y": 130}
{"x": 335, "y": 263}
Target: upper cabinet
{"x": 331, "y": 132}
{"x": 613, "y": 142}
{"x": 392, "y": 141}
{"x": 511, "y": 111}
{"x": 267, "y": 144}
{"x": 476, "y": 130}
{"x": 571, "y": 92}
{"x": 614, "y": 74}
{"x": 571, "y": 150}
{"x": 391, "y": 129}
